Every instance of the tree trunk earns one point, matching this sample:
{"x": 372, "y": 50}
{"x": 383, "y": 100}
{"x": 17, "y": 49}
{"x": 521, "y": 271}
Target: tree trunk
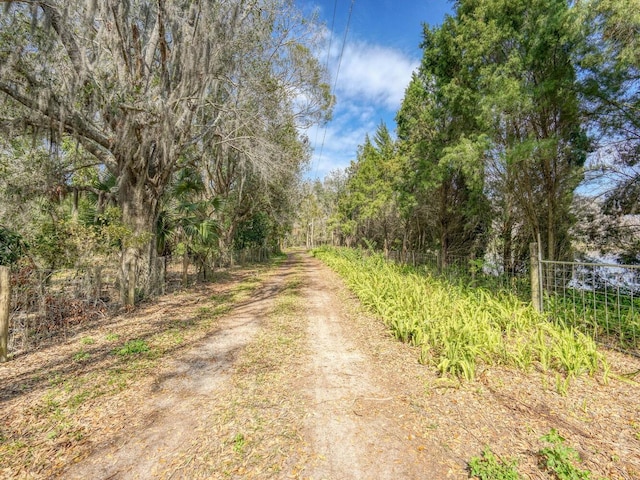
{"x": 74, "y": 205}
{"x": 507, "y": 249}
{"x": 312, "y": 235}
{"x": 139, "y": 214}
{"x": 185, "y": 269}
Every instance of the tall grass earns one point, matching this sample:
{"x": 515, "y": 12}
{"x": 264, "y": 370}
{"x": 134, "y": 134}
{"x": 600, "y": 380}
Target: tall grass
{"x": 458, "y": 327}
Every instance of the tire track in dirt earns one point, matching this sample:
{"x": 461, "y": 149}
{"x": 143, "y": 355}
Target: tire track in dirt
{"x": 354, "y": 421}
{"x": 181, "y": 398}
{"x": 352, "y": 425}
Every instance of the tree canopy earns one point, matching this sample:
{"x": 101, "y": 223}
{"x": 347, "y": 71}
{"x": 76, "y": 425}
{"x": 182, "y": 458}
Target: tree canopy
{"x": 515, "y": 104}
{"x": 143, "y": 89}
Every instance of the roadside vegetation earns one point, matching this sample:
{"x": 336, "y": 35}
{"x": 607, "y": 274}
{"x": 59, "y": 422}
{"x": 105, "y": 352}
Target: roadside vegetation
{"x": 459, "y": 329}
{"x": 557, "y": 458}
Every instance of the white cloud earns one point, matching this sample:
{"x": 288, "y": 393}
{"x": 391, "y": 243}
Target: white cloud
{"x": 375, "y": 74}
{"x": 336, "y": 145}
{"x": 370, "y": 87}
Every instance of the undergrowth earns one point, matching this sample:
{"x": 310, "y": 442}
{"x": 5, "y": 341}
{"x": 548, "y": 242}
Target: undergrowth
{"x": 490, "y": 467}
{"x": 458, "y": 327}
{"x": 556, "y": 458}
{"x": 559, "y": 458}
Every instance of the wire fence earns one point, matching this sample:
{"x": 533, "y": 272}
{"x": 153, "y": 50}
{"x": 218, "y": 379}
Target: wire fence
{"x": 601, "y": 300}
{"x": 474, "y": 272}
{"x": 47, "y": 305}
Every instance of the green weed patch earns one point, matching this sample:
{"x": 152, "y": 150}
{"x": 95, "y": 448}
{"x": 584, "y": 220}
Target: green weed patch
{"x": 490, "y": 467}
{"x": 132, "y": 347}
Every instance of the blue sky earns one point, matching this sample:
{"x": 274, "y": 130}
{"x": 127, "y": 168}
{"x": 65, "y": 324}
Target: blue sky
{"x": 381, "y": 52}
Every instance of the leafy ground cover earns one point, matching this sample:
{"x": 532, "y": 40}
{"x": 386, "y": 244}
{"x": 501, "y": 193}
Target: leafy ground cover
{"x": 458, "y": 327}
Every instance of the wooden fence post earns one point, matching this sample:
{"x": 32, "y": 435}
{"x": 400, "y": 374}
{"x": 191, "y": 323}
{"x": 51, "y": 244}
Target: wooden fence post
{"x": 5, "y": 307}
{"x": 536, "y": 294}
{"x": 131, "y": 284}
{"x": 97, "y": 281}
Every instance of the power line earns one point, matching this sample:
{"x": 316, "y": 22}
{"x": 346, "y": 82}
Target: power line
{"x": 344, "y": 42}
{"x": 335, "y": 82}
{"x": 326, "y": 61}
{"x": 333, "y": 23}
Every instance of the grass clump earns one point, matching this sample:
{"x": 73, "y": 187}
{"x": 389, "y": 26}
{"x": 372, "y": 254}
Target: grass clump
{"x": 490, "y": 467}
{"x": 81, "y": 355}
{"x": 559, "y": 458}
{"x": 132, "y": 347}
{"x": 456, "y": 326}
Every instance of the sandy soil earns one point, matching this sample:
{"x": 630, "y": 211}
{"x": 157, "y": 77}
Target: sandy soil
{"x": 354, "y": 415}
{"x": 296, "y": 381}
{"x": 182, "y": 397}
{"x": 353, "y": 421}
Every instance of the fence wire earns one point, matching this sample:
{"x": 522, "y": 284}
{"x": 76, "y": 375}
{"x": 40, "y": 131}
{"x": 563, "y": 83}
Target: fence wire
{"x": 49, "y": 305}
{"x": 601, "y": 300}
{"x": 481, "y": 273}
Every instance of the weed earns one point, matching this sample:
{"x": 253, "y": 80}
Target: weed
{"x": 132, "y": 347}
{"x": 558, "y": 458}
{"x": 87, "y": 341}
{"x": 489, "y": 467}
{"x": 112, "y": 337}
{"x": 204, "y": 311}
{"x": 56, "y": 379}
{"x": 286, "y": 306}
{"x": 81, "y": 355}
{"x": 221, "y": 297}
{"x": 293, "y": 284}
{"x": 12, "y": 447}
{"x": 457, "y": 327}
{"x": 562, "y": 385}
{"x": 636, "y": 429}
{"x": 119, "y": 378}
{"x": 238, "y": 443}
{"x": 221, "y": 310}
{"x": 79, "y": 398}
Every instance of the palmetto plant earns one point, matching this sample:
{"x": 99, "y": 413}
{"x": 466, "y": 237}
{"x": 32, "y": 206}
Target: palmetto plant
{"x": 458, "y": 327}
{"x": 188, "y": 222}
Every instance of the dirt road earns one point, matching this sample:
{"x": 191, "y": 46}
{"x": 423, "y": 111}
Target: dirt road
{"x": 348, "y": 417}
{"x": 355, "y": 413}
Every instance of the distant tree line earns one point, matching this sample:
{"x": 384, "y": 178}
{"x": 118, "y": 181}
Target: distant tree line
{"x": 516, "y": 107}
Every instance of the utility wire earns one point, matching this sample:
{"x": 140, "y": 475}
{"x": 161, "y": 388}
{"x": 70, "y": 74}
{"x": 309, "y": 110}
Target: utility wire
{"x": 333, "y": 23}
{"x": 335, "y": 82}
{"x": 326, "y": 63}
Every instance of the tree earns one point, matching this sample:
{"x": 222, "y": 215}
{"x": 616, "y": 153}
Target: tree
{"x": 140, "y": 84}
{"x": 500, "y": 110}
{"x": 609, "y": 62}
{"x": 368, "y": 208}
{"x": 442, "y": 195}
{"x": 12, "y": 246}
{"x": 530, "y": 110}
